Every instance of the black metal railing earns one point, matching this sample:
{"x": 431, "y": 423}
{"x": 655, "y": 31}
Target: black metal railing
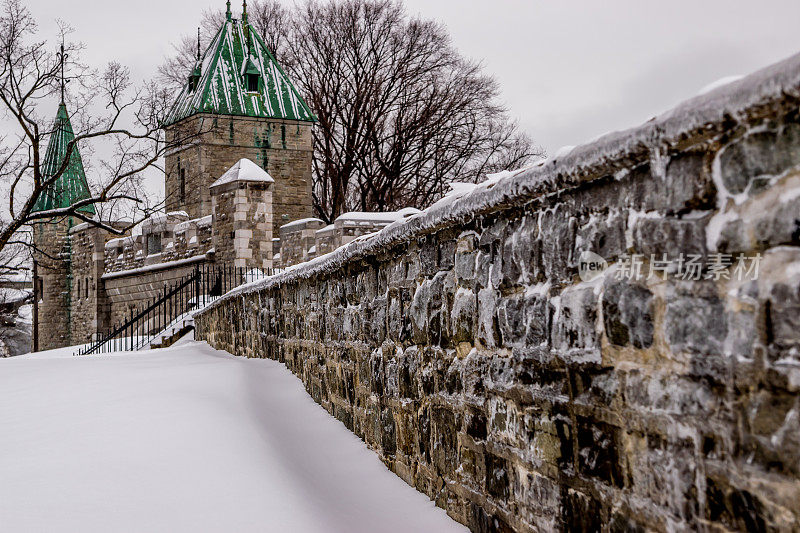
{"x": 169, "y": 313}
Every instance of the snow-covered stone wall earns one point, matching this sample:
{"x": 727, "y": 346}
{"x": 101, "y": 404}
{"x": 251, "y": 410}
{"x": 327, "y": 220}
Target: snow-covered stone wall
{"x": 526, "y": 384}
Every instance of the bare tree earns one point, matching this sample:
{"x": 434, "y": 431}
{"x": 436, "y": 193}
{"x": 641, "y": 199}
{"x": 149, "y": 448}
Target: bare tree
{"x": 401, "y": 112}
{"x": 105, "y": 106}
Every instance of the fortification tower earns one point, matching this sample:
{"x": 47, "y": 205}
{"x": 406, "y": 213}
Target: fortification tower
{"x": 238, "y": 103}
{"x": 51, "y": 237}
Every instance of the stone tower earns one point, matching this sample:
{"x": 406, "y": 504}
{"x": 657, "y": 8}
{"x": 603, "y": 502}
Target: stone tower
{"x": 238, "y": 103}
{"x": 51, "y": 237}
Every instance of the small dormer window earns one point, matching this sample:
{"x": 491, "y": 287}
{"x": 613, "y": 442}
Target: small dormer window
{"x": 252, "y": 83}
{"x": 194, "y": 81}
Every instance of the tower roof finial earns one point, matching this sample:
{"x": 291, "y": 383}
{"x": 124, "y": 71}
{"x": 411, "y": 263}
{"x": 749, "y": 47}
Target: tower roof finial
{"x": 62, "y": 58}
{"x": 198, "y": 43}
{"x": 244, "y": 11}
{"x": 228, "y": 14}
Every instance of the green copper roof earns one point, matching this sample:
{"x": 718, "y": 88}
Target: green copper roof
{"x": 71, "y": 186}
{"x": 237, "y": 50}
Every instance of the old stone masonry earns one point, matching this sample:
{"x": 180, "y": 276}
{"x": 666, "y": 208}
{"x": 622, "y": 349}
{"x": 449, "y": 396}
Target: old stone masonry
{"x": 607, "y": 341}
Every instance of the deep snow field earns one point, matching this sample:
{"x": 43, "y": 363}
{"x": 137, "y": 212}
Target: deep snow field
{"x": 186, "y": 439}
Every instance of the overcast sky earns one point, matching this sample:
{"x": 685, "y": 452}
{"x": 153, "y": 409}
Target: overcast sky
{"x": 569, "y": 69}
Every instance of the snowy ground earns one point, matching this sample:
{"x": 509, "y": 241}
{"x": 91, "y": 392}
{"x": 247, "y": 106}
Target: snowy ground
{"x": 186, "y": 439}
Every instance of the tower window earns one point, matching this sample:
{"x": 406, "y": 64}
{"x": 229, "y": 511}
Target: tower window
{"x": 182, "y": 185}
{"x": 230, "y": 132}
{"x": 181, "y": 182}
{"x": 283, "y": 135}
{"x": 252, "y": 83}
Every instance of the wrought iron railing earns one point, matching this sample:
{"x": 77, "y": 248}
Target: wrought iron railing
{"x": 169, "y": 313}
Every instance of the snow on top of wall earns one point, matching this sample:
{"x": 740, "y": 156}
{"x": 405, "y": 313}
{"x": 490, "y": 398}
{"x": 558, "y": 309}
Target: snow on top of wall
{"x": 610, "y": 153}
{"x": 301, "y": 222}
{"x": 158, "y": 222}
{"x": 156, "y": 266}
{"x": 114, "y": 243}
{"x": 183, "y": 226}
{"x": 244, "y": 170}
{"x": 198, "y": 222}
{"x": 719, "y": 83}
{"x": 358, "y": 216}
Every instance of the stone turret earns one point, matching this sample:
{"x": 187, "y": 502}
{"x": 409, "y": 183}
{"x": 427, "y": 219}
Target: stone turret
{"x": 51, "y": 237}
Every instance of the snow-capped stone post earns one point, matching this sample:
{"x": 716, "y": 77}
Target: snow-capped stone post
{"x": 241, "y": 200}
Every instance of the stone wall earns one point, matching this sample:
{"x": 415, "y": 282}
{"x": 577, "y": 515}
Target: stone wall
{"x": 465, "y": 348}
{"x": 133, "y": 290}
{"x": 298, "y": 239}
{"x": 89, "y": 304}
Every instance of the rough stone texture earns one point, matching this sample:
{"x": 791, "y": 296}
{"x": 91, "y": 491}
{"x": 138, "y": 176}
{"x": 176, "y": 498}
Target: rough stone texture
{"x": 464, "y": 349}
{"x": 243, "y": 224}
{"x": 90, "y": 306}
{"x": 55, "y": 282}
{"x": 298, "y": 240}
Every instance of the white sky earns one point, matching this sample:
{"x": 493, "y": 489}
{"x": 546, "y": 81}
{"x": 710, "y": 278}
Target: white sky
{"x": 570, "y": 69}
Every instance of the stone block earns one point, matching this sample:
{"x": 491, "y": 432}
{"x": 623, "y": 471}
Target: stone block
{"x": 627, "y": 313}
{"x": 759, "y": 156}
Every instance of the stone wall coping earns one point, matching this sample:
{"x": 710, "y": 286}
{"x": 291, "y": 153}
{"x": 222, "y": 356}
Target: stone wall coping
{"x": 157, "y": 266}
{"x": 301, "y": 224}
{"x": 161, "y": 222}
{"x": 704, "y": 114}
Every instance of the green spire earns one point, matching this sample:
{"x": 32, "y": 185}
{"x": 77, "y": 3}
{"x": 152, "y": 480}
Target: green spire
{"x": 237, "y": 58}
{"x": 71, "y": 186}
